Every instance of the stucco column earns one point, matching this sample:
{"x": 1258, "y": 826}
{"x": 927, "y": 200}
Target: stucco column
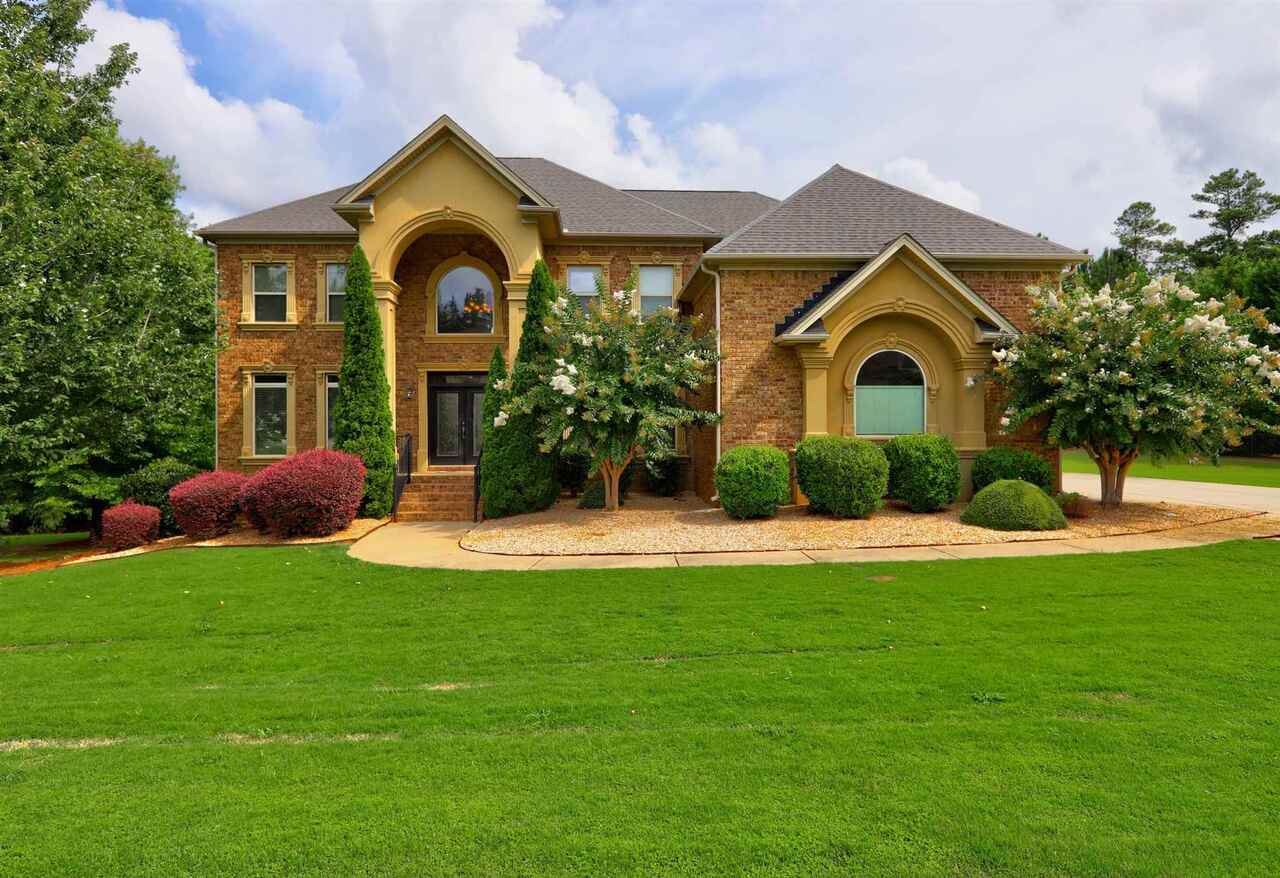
{"x": 971, "y": 426}
{"x": 817, "y": 364}
{"x": 517, "y": 293}
{"x": 387, "y": 295}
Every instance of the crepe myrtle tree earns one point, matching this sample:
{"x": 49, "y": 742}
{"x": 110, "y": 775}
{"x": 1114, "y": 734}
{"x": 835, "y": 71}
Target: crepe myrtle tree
{"x": 617, "y": 384}
{"x": 1140, "y": 369}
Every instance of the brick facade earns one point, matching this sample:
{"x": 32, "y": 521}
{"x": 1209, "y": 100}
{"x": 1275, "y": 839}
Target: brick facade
{"x": 1006, "y": 291}
{"x": 621, "y": 259}
{"x": 304, "y": 347}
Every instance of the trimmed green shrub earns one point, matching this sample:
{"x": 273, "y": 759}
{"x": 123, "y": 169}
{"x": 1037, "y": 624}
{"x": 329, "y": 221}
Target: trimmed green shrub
{"x": 842, "y": 475}
{"x": 151, "y": 485}
{"x": 663, "y": 475}
{"x": 924, "y": 471}
{"x": 1012, "y": 504}
{"x": 753, "y": 480}
{"x": 1003, "y": 462}
{"x": 362, "y": 413}
{"x": 1071, "y": 503}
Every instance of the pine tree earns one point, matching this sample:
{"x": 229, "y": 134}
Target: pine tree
{"x": 516, "y": 476}
{"x": 362, "y": 413}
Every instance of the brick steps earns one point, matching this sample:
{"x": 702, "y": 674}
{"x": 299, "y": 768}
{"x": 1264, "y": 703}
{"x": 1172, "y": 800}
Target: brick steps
{"x": 443, "y": 495}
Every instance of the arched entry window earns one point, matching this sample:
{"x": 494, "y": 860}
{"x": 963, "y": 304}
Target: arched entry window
{"x": 464, "y": 301}
{"x": 888, "y": 397}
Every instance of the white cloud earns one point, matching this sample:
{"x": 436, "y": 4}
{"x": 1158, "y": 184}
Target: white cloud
{"x": 1059, "y": 114}
{"x": 914, "y": 174}
{"x": 233, "y": 156}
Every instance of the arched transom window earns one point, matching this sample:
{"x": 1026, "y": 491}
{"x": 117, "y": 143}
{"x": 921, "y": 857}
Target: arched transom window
{"x": 464, "y": 301}
{"x": 888, "y": 397}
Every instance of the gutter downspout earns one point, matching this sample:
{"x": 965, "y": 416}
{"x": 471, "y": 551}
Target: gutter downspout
{"x": 702, "y": 267}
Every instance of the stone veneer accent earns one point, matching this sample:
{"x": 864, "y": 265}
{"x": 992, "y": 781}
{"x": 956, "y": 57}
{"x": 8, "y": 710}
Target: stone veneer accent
{"x": 304, "y": 347}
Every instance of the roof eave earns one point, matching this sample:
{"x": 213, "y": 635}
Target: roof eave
{"x": 275, "y": 234}
{"x": 860, "y": 256}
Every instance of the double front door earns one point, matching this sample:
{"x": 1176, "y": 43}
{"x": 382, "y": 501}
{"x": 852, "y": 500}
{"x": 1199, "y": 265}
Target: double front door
{"x": 455, "y": 429}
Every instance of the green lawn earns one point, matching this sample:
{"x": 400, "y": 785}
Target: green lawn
{"x": 1261, "y": 471}
{"x": 1087, "y": 715}
{"x": 21, "y": 548}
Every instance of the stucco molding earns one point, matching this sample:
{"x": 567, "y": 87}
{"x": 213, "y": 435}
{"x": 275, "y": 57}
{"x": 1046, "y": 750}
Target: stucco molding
{"x": 389, "y": 255}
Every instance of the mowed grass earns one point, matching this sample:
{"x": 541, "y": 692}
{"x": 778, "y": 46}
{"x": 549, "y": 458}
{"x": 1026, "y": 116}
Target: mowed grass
{"x": 24, "y": 548}
{"x": 1264, "y": 472}
{"x": 284, "y": 712}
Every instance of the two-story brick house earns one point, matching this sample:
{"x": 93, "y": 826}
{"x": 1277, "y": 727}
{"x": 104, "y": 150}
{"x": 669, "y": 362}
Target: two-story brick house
{"x": 851, "y": 307}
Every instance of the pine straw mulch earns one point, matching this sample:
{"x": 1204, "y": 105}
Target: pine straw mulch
{"x": 657, "y": 525}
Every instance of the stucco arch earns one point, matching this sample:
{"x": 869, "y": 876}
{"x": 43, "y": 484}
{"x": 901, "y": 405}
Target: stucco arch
{"x": 388, "y": 257}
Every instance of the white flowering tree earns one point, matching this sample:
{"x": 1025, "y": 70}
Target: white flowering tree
{"x": 618, "y": 384}
{"x": 1152, "y": 370}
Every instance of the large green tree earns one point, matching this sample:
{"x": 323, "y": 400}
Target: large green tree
{"x": 107, "y": 303}
{"x": 1236, "y": 200}
{"x": 1141, "y": 233}
{"x": 362, "y": 412}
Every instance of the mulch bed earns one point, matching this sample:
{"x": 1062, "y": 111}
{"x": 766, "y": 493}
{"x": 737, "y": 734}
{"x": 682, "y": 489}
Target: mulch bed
{"x": 657, "y": 525}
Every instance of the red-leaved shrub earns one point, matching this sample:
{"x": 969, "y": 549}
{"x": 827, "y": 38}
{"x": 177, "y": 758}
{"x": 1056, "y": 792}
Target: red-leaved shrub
{"x": 314, "y": 493}
{"x": 128, "y": 525}
{"x": 206, "y": 505}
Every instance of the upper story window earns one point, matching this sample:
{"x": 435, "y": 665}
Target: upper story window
{"x": 335, "y": 286}
{"x": 888, "y": 398}
{"x": 270, "y": 292}
{"x": 584, "y": 283}
{"x": 657, "y": 287}
{"x": 464, "y": 302}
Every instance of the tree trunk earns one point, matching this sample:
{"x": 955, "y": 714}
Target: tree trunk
{"x": 611, "y": 475}
{"x": 1113, "y": 465}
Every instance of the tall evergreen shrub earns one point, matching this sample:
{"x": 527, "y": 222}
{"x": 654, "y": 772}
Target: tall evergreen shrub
{"x": 362, "y": 414}
{"x": 515, "y": 475}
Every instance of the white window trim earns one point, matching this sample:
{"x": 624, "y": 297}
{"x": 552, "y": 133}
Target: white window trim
{"x": 924, "y": 401}
{"x": 248, "y": 446}
{"x": 247, "y": 294}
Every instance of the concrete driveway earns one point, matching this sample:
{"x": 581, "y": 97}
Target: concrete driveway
{"x": 1197, "y": 493}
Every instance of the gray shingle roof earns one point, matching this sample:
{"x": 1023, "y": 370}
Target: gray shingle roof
{"x": 851, "y": 214}
{"x": 312, "y": 215}
{"x": 726, "y": 211}
{"x": 589, "y": 207}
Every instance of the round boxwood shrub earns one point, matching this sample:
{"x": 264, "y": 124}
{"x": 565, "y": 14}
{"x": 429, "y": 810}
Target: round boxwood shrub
{"x": 842, "y": 475}
{"x": 206, "y": 505}
{"x": 753, "y": 480}
{"x": 1003, "y": 462}
{"x": 924, "y": 471}
{"x": 315, "y": 493}
{"x": 128, "y": 525}
{"x": 151, "y": 485}
{"x": 1012, "y": 504}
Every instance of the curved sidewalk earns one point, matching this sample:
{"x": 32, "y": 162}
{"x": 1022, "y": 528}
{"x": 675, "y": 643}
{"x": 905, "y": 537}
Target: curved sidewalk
{"x": 435, "y": 544}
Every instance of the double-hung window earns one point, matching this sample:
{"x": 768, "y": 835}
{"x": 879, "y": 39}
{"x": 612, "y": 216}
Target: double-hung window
{"x": 270, "y": 292}
{"x": 657, "y": 287}
{"x": 270, "y": 414}
{"x": 330, "y": 400}
{"x": 335, "y": 286}
{"x": 584, "y": 283}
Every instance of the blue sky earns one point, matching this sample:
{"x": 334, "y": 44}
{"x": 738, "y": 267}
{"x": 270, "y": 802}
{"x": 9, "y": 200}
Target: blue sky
{"x": 1048, "y": 116}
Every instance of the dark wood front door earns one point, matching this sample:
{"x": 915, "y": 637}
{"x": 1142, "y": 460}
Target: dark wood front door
{"x": 454, "y": 404}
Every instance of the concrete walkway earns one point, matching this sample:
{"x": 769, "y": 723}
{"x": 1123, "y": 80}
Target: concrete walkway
{"x": 1192, "y": 493}
{"x": 435, "y": 544}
